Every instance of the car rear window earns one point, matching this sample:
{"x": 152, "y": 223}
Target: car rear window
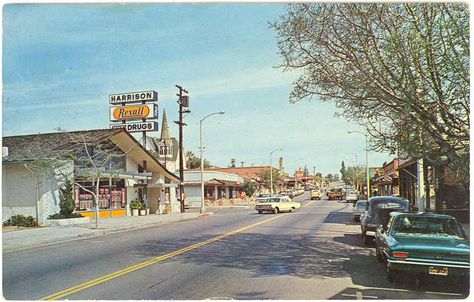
{"x": 361, "y": 205}
{"x": 427, "y": 225}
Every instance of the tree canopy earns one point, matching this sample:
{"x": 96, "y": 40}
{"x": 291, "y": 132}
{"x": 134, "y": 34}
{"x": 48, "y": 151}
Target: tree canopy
{"x": 399, "y": 70}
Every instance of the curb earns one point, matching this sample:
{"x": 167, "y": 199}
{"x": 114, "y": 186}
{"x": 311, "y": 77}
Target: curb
{"x": 92, "y": 234}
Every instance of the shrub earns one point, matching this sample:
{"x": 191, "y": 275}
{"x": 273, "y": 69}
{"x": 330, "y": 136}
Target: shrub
{"x": 137, "y": 204}
{"x": 67, "y": 204}
{"x": 249, "y": 187}
{"x": 62, "y": 216}
{"x": 21, "y": 220}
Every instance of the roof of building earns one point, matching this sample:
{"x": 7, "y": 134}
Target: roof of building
{"x": 244, "y": 172}
{"x": 47, "y": 145}
{"x": 64, "y": 144}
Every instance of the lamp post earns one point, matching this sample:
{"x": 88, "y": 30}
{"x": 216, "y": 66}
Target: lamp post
{"x": 203, "y": 208}
{"x": 271, "y": 172}
{"x": 366, "y": 159}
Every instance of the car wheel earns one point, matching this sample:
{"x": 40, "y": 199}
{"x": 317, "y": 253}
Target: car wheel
{"x": 367, "y": 239}
{"x": 392, "y": 275}
{"x": 260, "y": 211}
{"x": 275, "y": 211}
{"x": 291, "y": 210}
{"x": 379, "y": 255}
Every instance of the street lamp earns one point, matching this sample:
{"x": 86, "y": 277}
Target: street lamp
{"x": 366, "y": 159}
{"x": 203, "y": 208}
{"x": 271, "y": 173}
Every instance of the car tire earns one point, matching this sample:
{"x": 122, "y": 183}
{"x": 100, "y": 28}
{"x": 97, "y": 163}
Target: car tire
{"x": 367, "y": 240}
{"x": 379, "y": 255}
{"x": 275, "y": 211}
{"x": 392, "y": 275}
{"x": 260, "y": 211}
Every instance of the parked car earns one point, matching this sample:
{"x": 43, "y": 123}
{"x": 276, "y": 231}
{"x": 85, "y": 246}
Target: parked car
{"x": 351, "y": 196}
{"x": 358, "y": 209}
{"x": 426, "y": 243}
{"x": 367, "y": 220}
{"x": 277, "y": 204}
{"x": 315, "y": 194}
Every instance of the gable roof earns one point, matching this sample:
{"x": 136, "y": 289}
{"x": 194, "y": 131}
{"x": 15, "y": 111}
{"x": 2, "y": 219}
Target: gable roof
{"x": 50, "y": 145}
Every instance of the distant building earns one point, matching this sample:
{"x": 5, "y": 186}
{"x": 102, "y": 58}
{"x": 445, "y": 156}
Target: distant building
{"x": 217, "y": 185}
{"x": 165, "y": 148}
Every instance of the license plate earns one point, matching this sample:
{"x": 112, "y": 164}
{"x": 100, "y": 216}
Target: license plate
{"x": 441, "y": 271}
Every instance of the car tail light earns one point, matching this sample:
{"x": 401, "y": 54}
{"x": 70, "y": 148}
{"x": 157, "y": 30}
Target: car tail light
{"x": 400, "y": 255}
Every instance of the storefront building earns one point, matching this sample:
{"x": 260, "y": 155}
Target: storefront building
{"x": 124, "y": 170}
{"x": 217, "y": 185}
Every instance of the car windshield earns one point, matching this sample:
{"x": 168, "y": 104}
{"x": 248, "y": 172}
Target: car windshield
{"x": 361, "y": 205}
{"x": 274, "y": 200}
{"x": 378, "y": 203}
{"x": 426, "y": 225}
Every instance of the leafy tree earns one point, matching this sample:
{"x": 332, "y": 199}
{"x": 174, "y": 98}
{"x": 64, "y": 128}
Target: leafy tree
{"x": 249, "y": 187}
{"x": 343, "y": 172}
{"x": 193, "y": 162}
{"x": 264, "y": 176}
{"x": 401, "y": 70}
{"x": 305, "y": 171}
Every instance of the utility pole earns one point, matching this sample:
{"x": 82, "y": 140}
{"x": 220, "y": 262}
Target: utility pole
{"x": 183, "y": 102}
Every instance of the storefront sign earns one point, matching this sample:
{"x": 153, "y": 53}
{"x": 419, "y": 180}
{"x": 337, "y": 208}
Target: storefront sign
{"x": 149, "y": 111}
{"x": 131, "y": 97}
{"x": 137, "y": 127}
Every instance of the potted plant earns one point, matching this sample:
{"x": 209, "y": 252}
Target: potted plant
{"x": 142, "y": 209}
{"x": 135, "y": 205}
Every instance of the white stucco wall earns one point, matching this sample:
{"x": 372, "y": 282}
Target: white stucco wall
{"x": 24, "y": 192}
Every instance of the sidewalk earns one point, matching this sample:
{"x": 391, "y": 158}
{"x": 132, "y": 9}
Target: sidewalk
{"x": 22, "y": 239}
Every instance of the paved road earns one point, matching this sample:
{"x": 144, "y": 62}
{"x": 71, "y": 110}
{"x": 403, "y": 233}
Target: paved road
{"x": 313, "y": 253}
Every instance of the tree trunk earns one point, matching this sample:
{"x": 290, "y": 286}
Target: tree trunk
{"x": 427, "y": 185}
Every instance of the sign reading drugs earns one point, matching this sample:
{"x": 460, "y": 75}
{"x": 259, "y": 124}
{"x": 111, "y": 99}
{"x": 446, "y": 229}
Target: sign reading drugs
{"x": 137, "y": 127}
{"x": 146, "y": 111}
{"x": 133, "y": 97}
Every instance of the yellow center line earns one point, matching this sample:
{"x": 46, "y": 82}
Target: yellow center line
{"x": 105, "y": 278}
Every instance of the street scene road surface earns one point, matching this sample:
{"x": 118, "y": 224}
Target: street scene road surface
{"x": 195, "y": 151}
{"x": 313, "y": 253}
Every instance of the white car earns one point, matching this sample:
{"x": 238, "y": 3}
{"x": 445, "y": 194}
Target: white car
{"x": 352, "y": 196}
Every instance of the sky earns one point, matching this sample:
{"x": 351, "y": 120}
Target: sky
{"x": 62, "y": 61}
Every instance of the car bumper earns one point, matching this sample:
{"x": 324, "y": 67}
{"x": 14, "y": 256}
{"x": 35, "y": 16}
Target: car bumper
{"x": 453, "y": 268}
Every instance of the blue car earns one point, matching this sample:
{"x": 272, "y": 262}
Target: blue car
{"x": 368, "y": 223}
{"x": 424, "y": 243}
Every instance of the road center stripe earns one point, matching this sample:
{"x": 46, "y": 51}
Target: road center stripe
{"x": 105, "y": 278}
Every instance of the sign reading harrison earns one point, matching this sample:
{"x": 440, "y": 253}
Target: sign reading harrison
{"x": 131, "y": 97}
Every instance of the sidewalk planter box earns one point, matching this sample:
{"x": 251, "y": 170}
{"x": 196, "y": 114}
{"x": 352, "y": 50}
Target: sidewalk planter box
{"x": 134, "y": 212}
{"x": 142, "y": 212}
{"x": 69, "y": 221}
